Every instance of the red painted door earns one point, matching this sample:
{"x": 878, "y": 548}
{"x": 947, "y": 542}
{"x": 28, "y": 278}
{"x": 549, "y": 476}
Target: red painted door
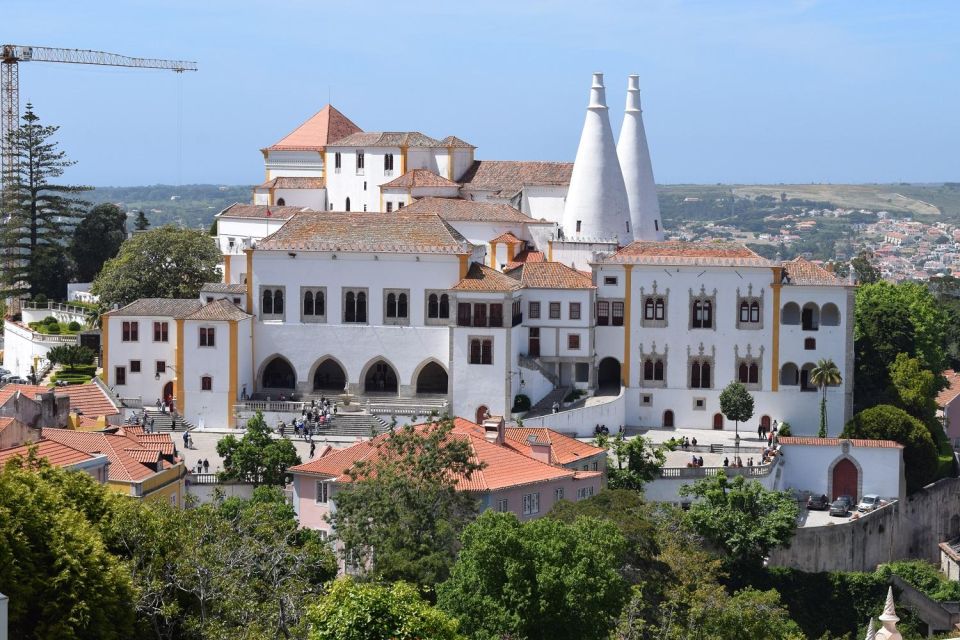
{"x": 845, "y": 479}
{"x": 718, "y": 421}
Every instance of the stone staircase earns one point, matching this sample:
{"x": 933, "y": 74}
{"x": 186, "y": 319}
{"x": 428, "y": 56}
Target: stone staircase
{"x": 545, "y": 405}
{"x": 163, "y": 422}
{"x": 534, "y": 364}
{"x": 352, "y": 425}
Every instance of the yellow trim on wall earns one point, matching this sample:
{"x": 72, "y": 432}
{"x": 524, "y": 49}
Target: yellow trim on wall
{"x": 232, "y": 395}
{"x": 464, "y": 265}
{"x": 549, "y": 250}
{"x": 511, "y": 252}
{"x": 226, "y": 269}
{"x": 270, "y": 197}
{"x": 775, "y": 347}
{"x": 450, "y": 164}
{"x": 625, "y": 367}
{"x": 178, "y": 381}
{"x": 105, "y": 347}
{"x": 403, "y": 160}
{"x": 249, "y": 253}
{"x": 493, "y": 255}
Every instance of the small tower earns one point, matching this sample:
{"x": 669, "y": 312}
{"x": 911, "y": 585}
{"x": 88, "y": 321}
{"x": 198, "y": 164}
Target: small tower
{"x": 871, "y": 631}
{"x": 637, "y": 169}
{"x": 597, "y": 206}
{"x": 889, "y": 620}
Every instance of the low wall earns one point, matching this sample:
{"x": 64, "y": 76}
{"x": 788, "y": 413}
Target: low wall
{"x": 583, "y": 420}
{"x": 909, "y": 529}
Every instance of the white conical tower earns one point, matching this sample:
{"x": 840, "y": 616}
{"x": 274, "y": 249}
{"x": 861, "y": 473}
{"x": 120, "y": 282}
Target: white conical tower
{"x": 596, "y": 205}
{"x": 889, "y": 620}
{"x": 637, "y": 170}
{"x": 871, "y": 631}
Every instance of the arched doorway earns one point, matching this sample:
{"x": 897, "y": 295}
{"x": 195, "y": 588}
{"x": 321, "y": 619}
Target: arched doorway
{"x": 765, "y": 422}
{"x": 608, "y": 375}
{"x": 668, "y": 419}
{"x": 845, "y": 478}
{"x": 278, "y": 374}
{"x": 432, "y": 379}
{"x": 329, "y": 376}
{"x": 167, "y": 391}
{"x": 380, "y": 378}
{"x": 718, "y": 421}
{"x": 482, "y": 412}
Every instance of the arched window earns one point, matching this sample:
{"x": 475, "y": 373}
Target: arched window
{"x": 743, "y": 373}
{"x": 744, "y": 311}
{"x": 350, "y": 307}
{"x": 391, "y": 305}
{"x": 649, "y": 309}
{"x": 444, "y": 306}
{"x": 206, "y": 383}
{"x": 697, "y": 314}
{"x": 402, "y": 305}
{"x": 648, "y": 369}
{"x": 320, "y": 306}
{"x": 266, "y": 307}
{"x": 281, "y": 202}
{"x": 346, "y": 207}
{"x": 308, "y": 303}
{"x": 433, "y": 306}
{"x": 658, "y": 370}
{"x": 660, "y": 307}
{"x": 361, "y": 307}
{"x": 695, "y": 375}
{"x": 754, "y": 311}
{"x": 705, "y": 376}
{"x": 707, "y": 314}
{"x": 754, "y": 377}
{"x": 278, "y": 302}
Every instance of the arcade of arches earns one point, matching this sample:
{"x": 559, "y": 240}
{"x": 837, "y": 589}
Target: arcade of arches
{"x": 380, "y": 378}
{"x": 608, "y": 375}
{"x": 278, "y": 374}
{"x": 329, "y": 376}
{"x": 432, "y": 379}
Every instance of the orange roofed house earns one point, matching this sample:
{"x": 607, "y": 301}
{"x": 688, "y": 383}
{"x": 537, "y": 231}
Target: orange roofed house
{"x": 526, "y": 471}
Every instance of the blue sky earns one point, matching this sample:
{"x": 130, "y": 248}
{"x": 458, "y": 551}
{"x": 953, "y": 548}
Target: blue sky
{"x": 733, "y": 91}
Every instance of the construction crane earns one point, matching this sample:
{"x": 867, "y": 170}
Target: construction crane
{"x": 11, "y": 55}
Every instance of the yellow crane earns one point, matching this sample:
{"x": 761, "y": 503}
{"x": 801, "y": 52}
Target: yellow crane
{"x": 11, "y": 55}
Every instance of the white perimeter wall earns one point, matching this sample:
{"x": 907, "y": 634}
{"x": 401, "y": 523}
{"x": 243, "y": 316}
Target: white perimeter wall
{"x": 807, "y": 468}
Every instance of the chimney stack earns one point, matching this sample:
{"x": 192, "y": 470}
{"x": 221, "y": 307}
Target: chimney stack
{"x": 634, "y": 156}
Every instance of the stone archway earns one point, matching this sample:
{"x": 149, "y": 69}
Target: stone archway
{"x": 431, "y": 379}
{"x": 668, "y": 419}
{"x": 608, "y": 375}
{"x": 844, "y": 479}
{"x": 482, "y": 412}
{"x": 718, "y": 421}
{"x": 278, "y": 374}
{"x": 329, "y": 376}
{"x": 380, "y": 377}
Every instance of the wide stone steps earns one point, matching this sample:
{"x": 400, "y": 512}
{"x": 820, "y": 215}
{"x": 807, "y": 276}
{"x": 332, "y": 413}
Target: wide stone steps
{"x": 163, "y": 422}
{"x": 353, "y": 425}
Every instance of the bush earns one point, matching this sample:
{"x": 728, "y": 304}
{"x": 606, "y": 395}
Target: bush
{"x": 784, "y": 429}
{"x": 40, "y": 298}
{"x": 53, "y": 328}
{"x": 74, "y": 326}
{"x": 924, "y": 576}
{"x": 50, "y": 321}
{"x": 574, "y": 395}
{"x": 886, "y": 422}
{"x": 521, "y": 403}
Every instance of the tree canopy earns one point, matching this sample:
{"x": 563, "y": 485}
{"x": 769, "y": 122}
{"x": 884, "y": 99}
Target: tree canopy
{"x": 97, "y": 239}
{"x": 540, "y": 580}
{"x": 401, "y": 512}
{"x": 863, "y": 268}
{"x": 638, "y": 460}
{"x": 736, "y": 403}
{"x": 257, "y": 457}
{"x": 71, "y": 355}
{"x": 166, "y": 262}
{"x": 741, "y": 518}
{"x": 886, "y": 422}
{"x": 825, "y": 374}
{"x": 913, "y": 388}
{"x": 352, "y": 611}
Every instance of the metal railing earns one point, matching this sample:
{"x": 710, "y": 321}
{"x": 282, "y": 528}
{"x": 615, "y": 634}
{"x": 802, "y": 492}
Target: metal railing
{"x": 55, "y": 306}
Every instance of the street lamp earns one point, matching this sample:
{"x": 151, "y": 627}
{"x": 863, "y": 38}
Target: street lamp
{"x": 156, "y": 376}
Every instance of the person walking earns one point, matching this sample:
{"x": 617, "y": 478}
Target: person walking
{"x": 206, "y": 465}
{"x": 313, "y": 448}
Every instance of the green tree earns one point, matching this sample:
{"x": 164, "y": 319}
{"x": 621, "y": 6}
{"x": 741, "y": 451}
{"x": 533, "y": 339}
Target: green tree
{"x": 42, "y": 214}
{"x": 539, "y": 580}
{"x": 97, "y": 239}
{"x": 741, "y": 518}
{"x": 886, "y": 422}
{"x": 863, "y": 268}
{"x": 61, "y": 580}
{"x": 141, "y": 223}
{"x": 825, "y": 374}
{"x": 71, "y": 355}
{"x": 257, "y": 457}
{"x": 913, "y": 389}
{"x": 736, "y": 403}
{"x": 638, "y": 460}
{"x": 351, "y": 611}
{"x": 166, "y": 262}
{"x": 401, "y": 512}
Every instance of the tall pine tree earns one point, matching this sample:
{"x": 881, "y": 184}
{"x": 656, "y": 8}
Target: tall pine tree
{"x": 40, "y": 214}
{"x": 141, "y": 223}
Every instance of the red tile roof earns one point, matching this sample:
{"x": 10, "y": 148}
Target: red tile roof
{"x": 508, "y": 177}
{"x": 5, "y": 422}
{"x": 527, "y": 255}
{"x": 505, "y": 466}
{"x": 124, "y": 467}
{"x": 290, "y": 182}
{"x": 687, "y": 253}
{"x": 471, "y": 211}
{"x": 804, "y": 272}
{"x": 401, "y": 232}
{"x": 563, "y": 449}
{"x": 418, "y": 178}
{"x": 169, "y": 307}
{"x": 833, "y": 442}
{"x": 482, "y": 278}
{"x": 455, "y": 142}
{"x": 551, "y": 275}
{"x": 953, "y": 388}
{"x": 56, "y": 453}
{"x": 260, "y": 211}
{"x": 506, "y": 238}
{"x": 315, "y": 134}
{"x": 218, "y": 310}
{"x": 88, "y": 399}
{"x": 388, "y": 139}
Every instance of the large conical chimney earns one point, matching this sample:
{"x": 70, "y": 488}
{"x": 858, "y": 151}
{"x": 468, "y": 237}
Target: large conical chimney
{"x": 596, "y": 205}
{"x": 637, "y": 170}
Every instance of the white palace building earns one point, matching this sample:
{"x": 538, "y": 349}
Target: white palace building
{"x": 399, "y": 268}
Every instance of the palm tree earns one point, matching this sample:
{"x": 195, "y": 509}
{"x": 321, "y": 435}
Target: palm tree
{"x": 825, "y": 374}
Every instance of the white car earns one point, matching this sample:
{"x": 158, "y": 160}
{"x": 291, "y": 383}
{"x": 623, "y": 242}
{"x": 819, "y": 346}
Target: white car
{"x": 869, "y": 502}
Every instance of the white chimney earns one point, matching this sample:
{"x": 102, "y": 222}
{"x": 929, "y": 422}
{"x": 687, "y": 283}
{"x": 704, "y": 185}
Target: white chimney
{"x": 596, "y": 205}
{"x": 637, "y": 169}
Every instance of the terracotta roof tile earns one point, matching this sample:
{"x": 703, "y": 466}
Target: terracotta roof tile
{"x": 833, "y": 442}
{"x": 56, "y": 453}
{"x": 507, "y": 238}
{"x": 482, "y": 278}
{"x": 804, "y": 272}
{"x": 551, "y": 275}
{"x": 367, "y": 232}
{"x": 507, "y": 177}
{"x": 29, "y": 390}
{"x": 219, "y": 310}
{"x": 687, "y": 253}
{"x": 170, "y": 307}
{"x": 455, "y": 209}
{"x": 144, "y": 456}
{"x": 223, "y": 287}
{"x": 952, "y": 390}
{"x": 326, "y": 125}
{"x": 123, "y": 467}
{"x": 388, "y": 139}
{"x": 563, "y": 449}
{"x": 88, "y": 398}
{"x": 455, "y": 142}
{"x": 527, "y": 255}
{"x": 260, "y": 211}
{"x": 418, "y": 178}
{"x": 293, "y": 182}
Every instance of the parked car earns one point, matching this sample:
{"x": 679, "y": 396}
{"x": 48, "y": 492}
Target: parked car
{"x": 818, "y": 503}
{"x": 14, "y": 380}
{"x": 851, "y": 501}
{"x": 4, "y": 372}
{"x": 840, "y": 507}
{"x": 868, "y": 502}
